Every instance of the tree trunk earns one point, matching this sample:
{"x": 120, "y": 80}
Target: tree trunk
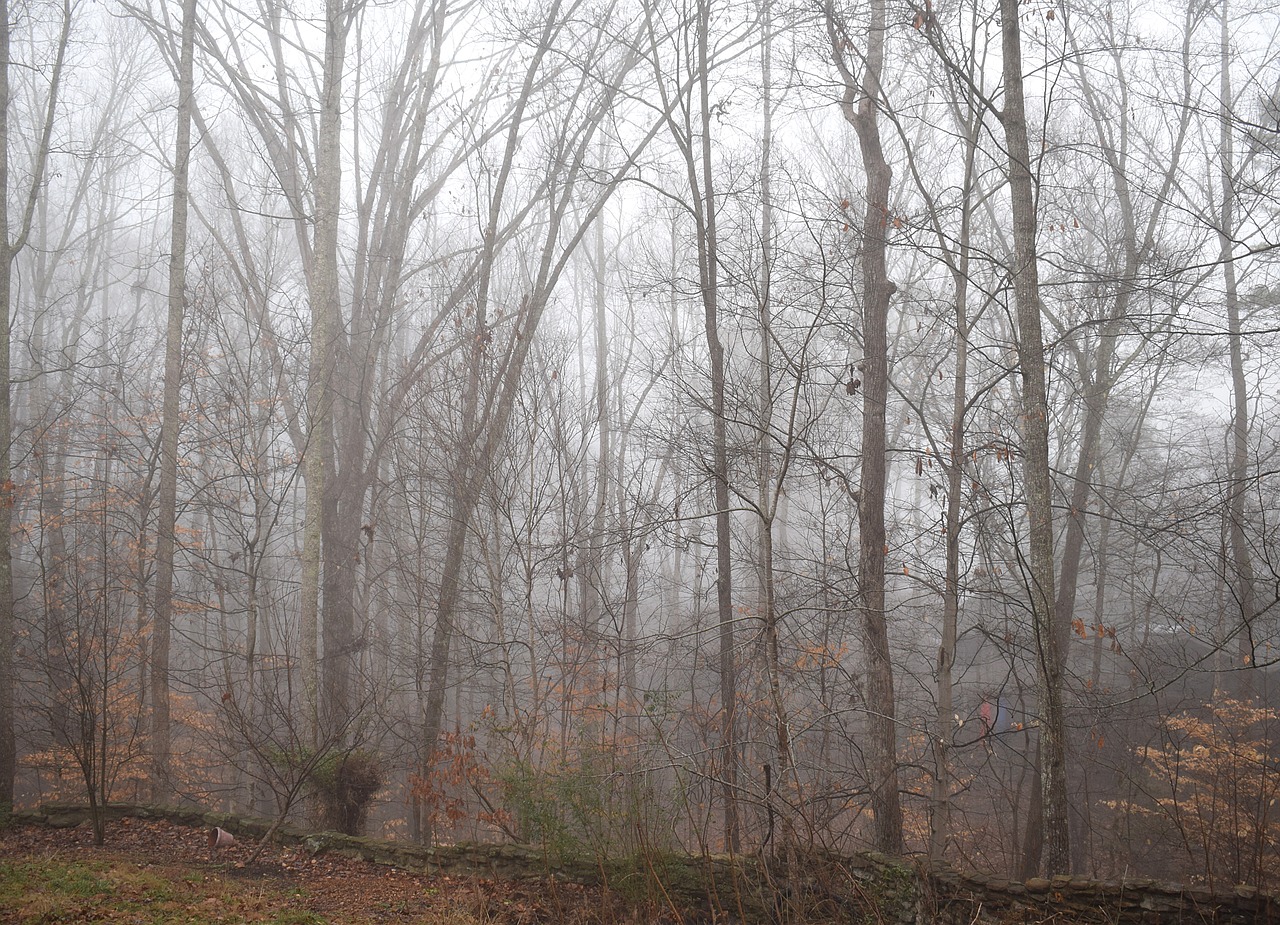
{"x": 8, "y": 745}
{"x": 325, "y": 330}
{"x": 1035, "y": 438}
{"x": 485, "y": 417}
{"x": 770, "y": 483}
{"x": 860, "y": 106}
{"x": 940, "y": 814}
{"x": 167, "y": 511}
{"x": 593, "y": 579}
{"x": 1238, "y": 466}
{"x": 708, "y": 275}
{"x": 10, "y": 246}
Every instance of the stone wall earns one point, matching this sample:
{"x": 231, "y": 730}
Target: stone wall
{"x": 812, "y": 887}
{"x": 951, "y": 897}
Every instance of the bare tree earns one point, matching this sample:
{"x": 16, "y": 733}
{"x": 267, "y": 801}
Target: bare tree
{"x": 487, "y": 405}
{"x": 167, "y": 512}
{"x": 1037, "y": 483}
{"x": 1238, "y": 466}
{"x": 860, "y": 104}
{"x": 15, "y": 239}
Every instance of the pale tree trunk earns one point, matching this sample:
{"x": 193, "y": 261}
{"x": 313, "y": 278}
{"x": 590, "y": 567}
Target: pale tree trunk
{"x": 1037, "y": 485}
{"x": 8, "y": 748}
{"x": 167, "y": 510}
{"x": 594, "y": 580}
{"x": 860, "y": 105}
{"x": 634, "y": 544}
{"x": 606, "y": 477}
{"x": 940, "y": 815}
{"x": 325, "y": 330}
{"x": 1238, "y": 466}
{"x": 956, "y": 251}
{"x": 11, "y": 245}
{"x": 770, "y": 482}
{"x": 693, "y": 137}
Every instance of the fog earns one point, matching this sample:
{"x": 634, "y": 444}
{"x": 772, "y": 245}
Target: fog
{"x": 690, "y": 425}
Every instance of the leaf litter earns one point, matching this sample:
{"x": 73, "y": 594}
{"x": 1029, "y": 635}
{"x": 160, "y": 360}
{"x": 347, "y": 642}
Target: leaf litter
{"x": 167, "y": 868}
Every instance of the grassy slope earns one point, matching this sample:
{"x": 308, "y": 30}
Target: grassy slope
{"x": 67, "y": 889}
{"x": 155, "y": 874}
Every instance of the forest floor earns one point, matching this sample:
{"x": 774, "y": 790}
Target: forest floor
{"x": 150, "y": 873}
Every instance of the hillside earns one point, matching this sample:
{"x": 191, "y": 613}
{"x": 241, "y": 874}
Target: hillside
{"x": 154, "y": 872}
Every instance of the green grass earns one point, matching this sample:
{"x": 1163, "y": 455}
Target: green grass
{"x": 294, "y": 917}
{"x": 77, "y": 881}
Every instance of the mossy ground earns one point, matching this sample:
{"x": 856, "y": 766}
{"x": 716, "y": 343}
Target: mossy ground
{"x": 154, "y": 874}
{"x": 68, "y": 889}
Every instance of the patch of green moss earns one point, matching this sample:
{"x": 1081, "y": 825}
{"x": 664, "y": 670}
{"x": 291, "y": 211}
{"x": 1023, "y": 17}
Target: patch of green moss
{"x": 297, "y": 917}
{"x": 894, "y": 887}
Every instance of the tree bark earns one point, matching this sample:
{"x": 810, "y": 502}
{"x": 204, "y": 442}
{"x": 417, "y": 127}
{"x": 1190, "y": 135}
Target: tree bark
{"x": 770, "y": 481}
{"x": 8, "y": 745}
{"x": 1238, "y": 466}
{"x": 167, "y": 510}
{"x": 10, "y": 246}
{"x": 1035, "y": 439}
{"x": 318, "y": 460}
{"x": 708, "y": 274}
{"x": 860, "y": 106}
{"x": 940, "y": 815}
